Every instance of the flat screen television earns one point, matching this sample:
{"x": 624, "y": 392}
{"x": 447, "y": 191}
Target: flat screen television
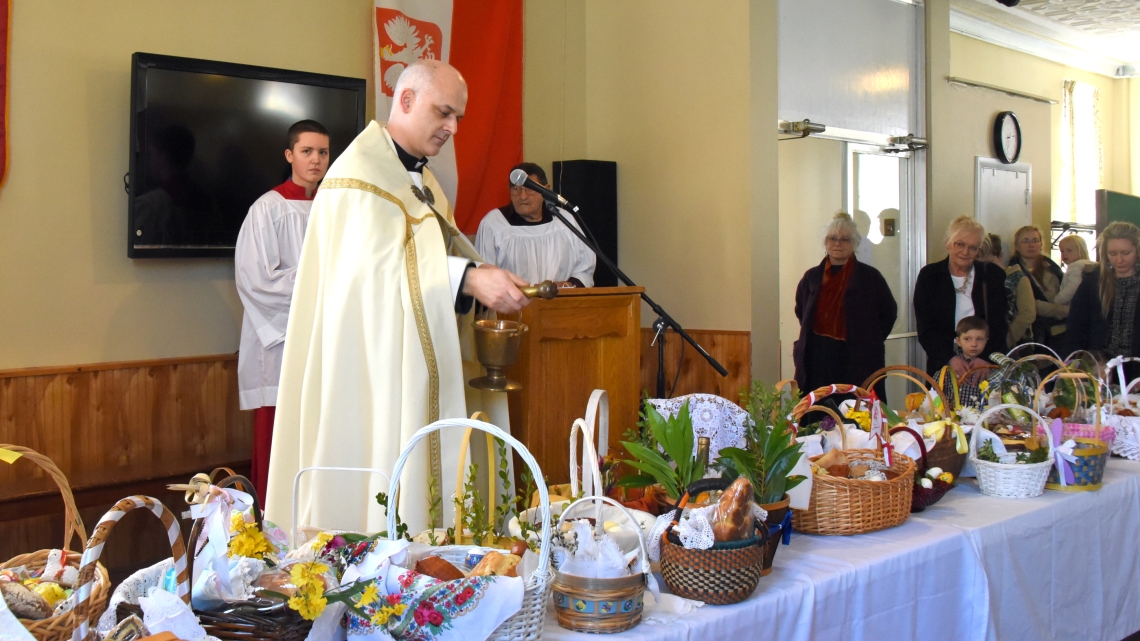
{"x": 208, "y": 138}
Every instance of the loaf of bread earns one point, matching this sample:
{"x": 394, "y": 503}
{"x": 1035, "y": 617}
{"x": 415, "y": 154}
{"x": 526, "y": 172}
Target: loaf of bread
{"x": 23, "y": 602}
{"x": 496, "y": 564}
{"x": 732, "y": 518}
{"x": 437, "y": 568}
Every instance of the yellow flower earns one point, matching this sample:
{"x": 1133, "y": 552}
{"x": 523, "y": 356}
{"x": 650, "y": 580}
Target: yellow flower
{"x": 309, "y": 600}
{"x": 946, "y": 477}
{"x": 369, "y": 595}
{"x": 383, "y": 614}
{"x": 248, "y": 540}
{"x": 862, "y": 418}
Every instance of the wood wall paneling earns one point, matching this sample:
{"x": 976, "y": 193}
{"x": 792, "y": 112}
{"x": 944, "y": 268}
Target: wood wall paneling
{"x": 115, "y": 429}
{"x": 733, "y": 349}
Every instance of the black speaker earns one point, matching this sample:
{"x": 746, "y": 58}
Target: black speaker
{"x": 592, "y": 186}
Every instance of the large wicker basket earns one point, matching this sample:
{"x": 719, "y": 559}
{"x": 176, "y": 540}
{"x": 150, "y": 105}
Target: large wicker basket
{"x": 841, "y": 506}
{"x": 85, "y": 613}
{"x": 1126, "y": 441}
{"x": 1010, "y": 480}
{"x": 527, "y": 623}
{"x": 283, "y": 624}
{"x": 60, "y": 628}
{"x": 602, "y": 606}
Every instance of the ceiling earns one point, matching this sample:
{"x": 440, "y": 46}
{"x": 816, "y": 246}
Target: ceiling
{"x": 1095, "y": 35}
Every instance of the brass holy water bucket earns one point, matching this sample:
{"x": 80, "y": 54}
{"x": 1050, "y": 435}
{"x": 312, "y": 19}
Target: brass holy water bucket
{"x": 497, "y": 347}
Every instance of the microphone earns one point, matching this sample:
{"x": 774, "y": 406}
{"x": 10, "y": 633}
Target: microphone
{"x": 520, "y": 179}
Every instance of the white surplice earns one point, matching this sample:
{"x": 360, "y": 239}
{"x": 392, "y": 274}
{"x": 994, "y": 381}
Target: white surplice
{"x": 547, "y": 251}
{"x": 265, "y": 268}
{"x": 375, "y": 350}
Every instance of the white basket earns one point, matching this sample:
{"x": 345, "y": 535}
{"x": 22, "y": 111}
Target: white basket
{"x": 1127, "y": 443}
{"x": 527, "y": 623}
{"x": 1017, "y": 480}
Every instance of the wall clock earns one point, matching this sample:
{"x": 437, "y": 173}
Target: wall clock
{"x": 1007, "y": 137}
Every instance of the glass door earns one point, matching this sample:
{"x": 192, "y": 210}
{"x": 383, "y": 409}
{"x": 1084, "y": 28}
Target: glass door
{"x": 881, "y": 191}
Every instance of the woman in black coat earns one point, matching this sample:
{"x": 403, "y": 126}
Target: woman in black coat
{"x": 846, "y": 311}
{"x": 1102, "y": 314}
{"x": 941, "y": 288}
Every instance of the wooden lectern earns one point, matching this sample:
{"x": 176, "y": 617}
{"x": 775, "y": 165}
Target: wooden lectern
{"x": 585, "y": 339}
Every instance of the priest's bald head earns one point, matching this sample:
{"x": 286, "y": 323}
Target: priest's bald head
{"x": 428, "y": 103}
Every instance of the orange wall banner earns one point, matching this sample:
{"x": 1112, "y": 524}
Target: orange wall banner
{"x": 483, "y": 39}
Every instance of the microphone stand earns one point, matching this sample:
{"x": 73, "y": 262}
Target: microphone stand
{"x": 664, "y": 320}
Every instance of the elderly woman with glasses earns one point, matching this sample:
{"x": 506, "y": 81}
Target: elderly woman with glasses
{"x": 955, "y": 287}
{"x": 846, "y": 311}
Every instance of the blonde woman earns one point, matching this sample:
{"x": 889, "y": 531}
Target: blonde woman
{"x": 1044, "y": 277}
{"x": 1075, "y": 257}
{"x": 846, "y": 311}
{"x": 955, "y": 287}
{"x": 1103, "y": 311}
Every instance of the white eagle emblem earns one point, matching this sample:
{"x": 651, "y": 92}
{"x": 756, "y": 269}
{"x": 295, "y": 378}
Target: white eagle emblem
{"x": 403, "y": 34}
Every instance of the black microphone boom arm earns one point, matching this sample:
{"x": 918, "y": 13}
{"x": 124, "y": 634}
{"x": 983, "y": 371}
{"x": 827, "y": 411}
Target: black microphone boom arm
{"x": 663, "y": 316}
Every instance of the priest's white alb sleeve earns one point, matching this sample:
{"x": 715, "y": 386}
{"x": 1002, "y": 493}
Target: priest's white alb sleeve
{"x": 456, "y": 266}
{"x": 265, "y": 288}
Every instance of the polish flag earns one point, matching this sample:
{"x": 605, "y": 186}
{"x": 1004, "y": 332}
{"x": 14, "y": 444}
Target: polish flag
{"x": 483, "y": 40}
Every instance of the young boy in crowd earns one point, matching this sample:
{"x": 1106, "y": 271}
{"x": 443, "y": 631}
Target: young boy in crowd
{"x": 972, "y": 334}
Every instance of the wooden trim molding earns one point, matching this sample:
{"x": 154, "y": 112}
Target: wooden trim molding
{"x": 99, "y": 367}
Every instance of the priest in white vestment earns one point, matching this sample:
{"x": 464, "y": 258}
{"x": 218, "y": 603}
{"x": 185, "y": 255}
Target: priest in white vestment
{"x": 375, "y": 350}
{"x": 524, "y": 238}
{"x": 265, "y": 267}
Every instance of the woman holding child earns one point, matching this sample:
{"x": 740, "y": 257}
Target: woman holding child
{"x": 956, "y": 287}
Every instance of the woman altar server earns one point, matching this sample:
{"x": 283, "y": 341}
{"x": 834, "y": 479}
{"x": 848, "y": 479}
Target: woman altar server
{"x": 523, "y": 237}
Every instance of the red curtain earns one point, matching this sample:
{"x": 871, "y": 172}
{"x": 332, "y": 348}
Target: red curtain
{"x": 487, "y": 48}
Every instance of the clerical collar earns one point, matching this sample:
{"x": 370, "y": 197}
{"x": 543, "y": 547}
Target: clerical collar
{"x": 410, "y": 162}
{"x": 515, "y": 220}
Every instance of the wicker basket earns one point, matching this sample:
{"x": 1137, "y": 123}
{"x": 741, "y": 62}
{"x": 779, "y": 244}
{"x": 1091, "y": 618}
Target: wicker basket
{"x": 1091, "y": 453}
{"x": 1009, "y": 480}
{"x": 922, "y": 497}
{"x": 527, "y": 623}
{"x": 602, "y": 606}
{"x": 60, "y": 628}
{"x": 84, "y": 611}
{"x": 283, "y": 624}
{"x": 841, "y": 506}
{"x": 1126, "y": 441}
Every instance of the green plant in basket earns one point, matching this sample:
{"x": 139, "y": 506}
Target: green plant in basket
{"x": 771, "y": 449}
{"x": 673, "y": 464}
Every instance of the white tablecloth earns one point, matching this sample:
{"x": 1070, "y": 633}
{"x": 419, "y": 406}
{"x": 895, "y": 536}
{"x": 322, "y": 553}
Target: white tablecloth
{"x": 1061, "y": 566}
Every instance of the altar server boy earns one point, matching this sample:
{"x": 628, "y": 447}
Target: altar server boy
{"x": 265, "y": 265}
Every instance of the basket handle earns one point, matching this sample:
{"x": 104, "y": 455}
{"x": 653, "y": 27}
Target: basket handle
{"x": 72, "y": 523}
{"x": 294, "y": 529}
{"x": 882, "y": 372}
{"x": 809, "y": 401}
{"x": 1060, "y": 374}
{"x": 1041, "y": 357}
{"x": 838, "y": 421}
{"x": 631, "y": 522}
{"x": 232, "y": 480}
{"x": 541, "y": 573}
{"x": 1125, "y": 387}
{"x": 595, "y": 422}
{"x": 477, "y": 416}
{"x": 95, "y": 548}
{"x": 1046, "y": 347}
{"x": 790, "y": 383}
{"x": 921, "y": 444}
{"x": 1040, "y": 425}
{"x": 933, "y": 388}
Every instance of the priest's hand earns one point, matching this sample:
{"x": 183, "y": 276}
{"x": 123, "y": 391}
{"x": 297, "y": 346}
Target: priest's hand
{"x": 496, "y": 288}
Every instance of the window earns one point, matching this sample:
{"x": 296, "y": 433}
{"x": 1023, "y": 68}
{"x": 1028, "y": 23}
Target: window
{"x": 1082, "y": 153}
